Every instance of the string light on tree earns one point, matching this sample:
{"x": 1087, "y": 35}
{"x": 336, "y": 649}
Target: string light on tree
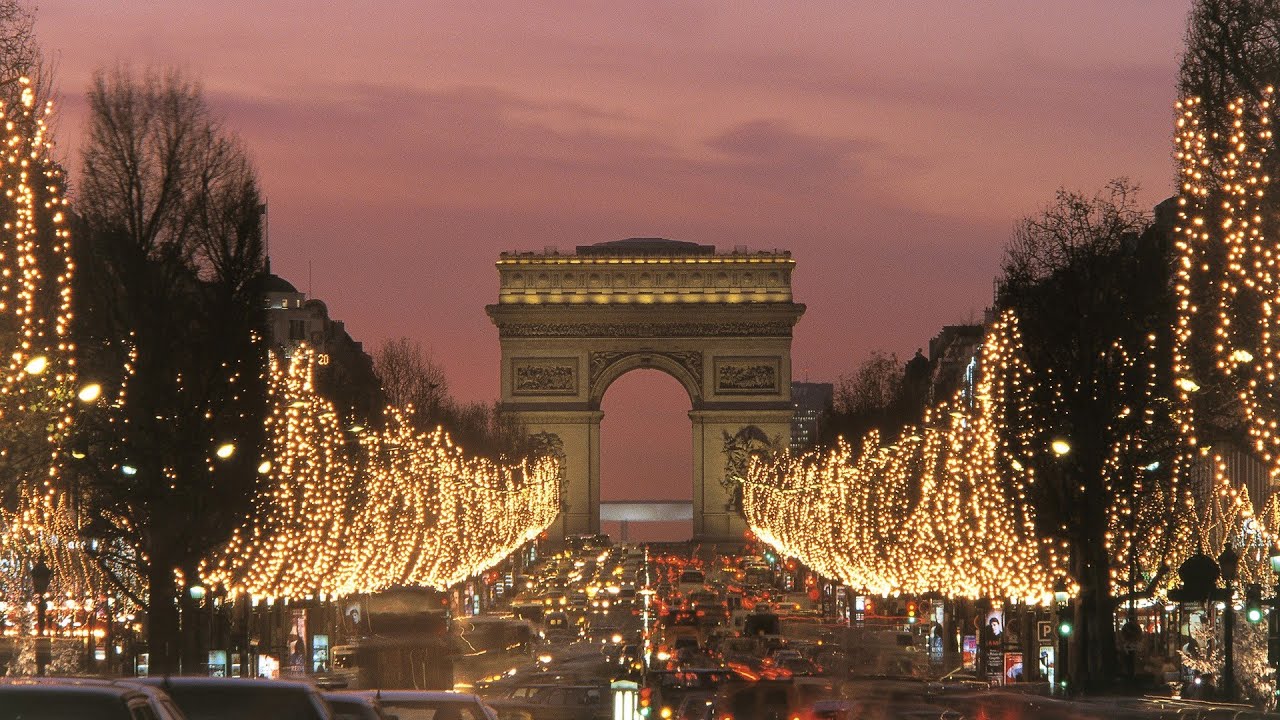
{"x": 337, "y": 515}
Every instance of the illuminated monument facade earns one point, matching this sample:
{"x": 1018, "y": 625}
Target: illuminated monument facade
{"x": 719, "y": 323}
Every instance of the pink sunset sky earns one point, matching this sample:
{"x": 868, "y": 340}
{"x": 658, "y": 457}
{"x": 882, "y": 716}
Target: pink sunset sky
{"x": 890, "y": 146}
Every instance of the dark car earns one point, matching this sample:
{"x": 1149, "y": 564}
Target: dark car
{"x": 355, "y": 706}
{"x": 205, "y": 698}
{"x": 555, "y": 702}
{"x": 70, "y": 699}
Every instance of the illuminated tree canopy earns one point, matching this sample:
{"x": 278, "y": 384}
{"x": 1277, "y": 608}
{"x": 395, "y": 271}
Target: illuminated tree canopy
{"x": 343, "y": 510}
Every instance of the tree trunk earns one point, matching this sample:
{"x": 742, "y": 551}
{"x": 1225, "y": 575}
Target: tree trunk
{"x": 163, "y": 631}
{"x": 193, "y": 656}
{"x": 1093, "y": 657}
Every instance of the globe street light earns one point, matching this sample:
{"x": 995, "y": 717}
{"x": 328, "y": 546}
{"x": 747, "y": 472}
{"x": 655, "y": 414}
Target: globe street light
{"x": 89, "y": 392}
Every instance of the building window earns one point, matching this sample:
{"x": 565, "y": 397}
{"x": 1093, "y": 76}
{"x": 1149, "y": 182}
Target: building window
{"x": 297, "y": 329}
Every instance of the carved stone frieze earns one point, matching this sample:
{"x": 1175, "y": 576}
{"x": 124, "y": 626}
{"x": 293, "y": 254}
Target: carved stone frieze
{"x": 690, "y": 360}
{"x": 747, "y": 375}
{"x": 543, "y": 376}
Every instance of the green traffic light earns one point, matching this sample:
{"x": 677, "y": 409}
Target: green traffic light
{"x": 1064, "y": 628}
{"x": 1254, "y": 615}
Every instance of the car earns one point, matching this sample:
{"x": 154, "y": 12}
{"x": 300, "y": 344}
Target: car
{"x": 76, "y": 698}
{"x": 773, "y": 699}
{"x": 355, "y": 706}
{"x": 207, "y": 698}
{"x": 432, "y": 705}
{"x": 556, "y": 702}
{"x": 697, "y": 706}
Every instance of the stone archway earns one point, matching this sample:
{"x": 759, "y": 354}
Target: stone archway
{"x": 719, "y": 323}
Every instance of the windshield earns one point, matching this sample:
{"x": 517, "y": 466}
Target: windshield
{"x": 247, "y": 702}
{"x": 52, "y": 706}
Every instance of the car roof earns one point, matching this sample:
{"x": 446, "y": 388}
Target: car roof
{"x": 224, "y": 682}
{"x": 434, "y": 695}
{"x": 574, "y": 686}
{"x": 78, "y": 686}
{"x": 351, "y": 697}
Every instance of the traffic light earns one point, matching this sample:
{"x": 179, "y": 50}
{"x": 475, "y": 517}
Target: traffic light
{"x": 646, "y": 701}
{"x": 1253, "y": 603}
{"x": 1065, "y": 627}
{"x": 911, "y": 611}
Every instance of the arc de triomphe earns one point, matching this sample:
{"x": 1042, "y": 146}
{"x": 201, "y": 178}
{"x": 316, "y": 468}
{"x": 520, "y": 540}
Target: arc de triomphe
{"x": 719, "y": 323}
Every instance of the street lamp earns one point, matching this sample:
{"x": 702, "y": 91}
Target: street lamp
{"x": 41, "y": 574}
{"x": 89, "y": 392}
{"x": 36, "y": 365}
{"x": 1061, "y": 597}
{"x": 1273, "y": 620}
{"x": 1229, "y": 563}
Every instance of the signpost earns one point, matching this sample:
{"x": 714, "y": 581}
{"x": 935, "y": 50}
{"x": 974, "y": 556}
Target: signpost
{"x": 1044, "y": 632}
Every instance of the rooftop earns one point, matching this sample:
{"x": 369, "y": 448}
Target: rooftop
{"x": 631, "y": 247}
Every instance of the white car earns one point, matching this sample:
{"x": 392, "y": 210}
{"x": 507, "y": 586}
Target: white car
{"x": 432, "y": 705}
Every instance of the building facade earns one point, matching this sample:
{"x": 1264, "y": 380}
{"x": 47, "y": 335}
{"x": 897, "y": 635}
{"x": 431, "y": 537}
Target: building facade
{"x": 811, "y": 404}
{"x": 345, "y": 374}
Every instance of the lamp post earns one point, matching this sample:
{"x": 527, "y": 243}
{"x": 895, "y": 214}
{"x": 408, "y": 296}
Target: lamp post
{"x": 1228, "y": 563}
{"x": 1273, "y": 619}
{"x": 41, "y": 574}
{"x": 1061, "y": 598}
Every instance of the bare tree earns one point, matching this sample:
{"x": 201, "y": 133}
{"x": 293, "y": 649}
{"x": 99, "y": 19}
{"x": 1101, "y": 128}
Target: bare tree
{"x": 870, "y": 397}
{"x": 1232, "y": 50}
{"x": 20, "y": 54}
{"x": 1074, "y": 228}
{"x": 873, "y": 387}
{"x": 411, "y": 378}
{"x": 171, "y": 268}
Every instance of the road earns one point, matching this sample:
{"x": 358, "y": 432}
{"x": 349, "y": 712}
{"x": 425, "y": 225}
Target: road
{"x": 716, "y": 637}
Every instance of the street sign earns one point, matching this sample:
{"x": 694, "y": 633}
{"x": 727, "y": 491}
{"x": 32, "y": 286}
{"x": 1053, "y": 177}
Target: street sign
{"x": 1044, "y": 632}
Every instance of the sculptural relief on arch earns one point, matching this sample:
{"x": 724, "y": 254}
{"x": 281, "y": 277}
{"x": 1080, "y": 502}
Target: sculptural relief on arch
{"x": 719, "y": 323}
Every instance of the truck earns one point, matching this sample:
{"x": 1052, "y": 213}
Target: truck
{"x": 397, "y": 639}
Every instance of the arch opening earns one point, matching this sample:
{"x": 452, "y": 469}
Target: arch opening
{"x": 646, "y": 452}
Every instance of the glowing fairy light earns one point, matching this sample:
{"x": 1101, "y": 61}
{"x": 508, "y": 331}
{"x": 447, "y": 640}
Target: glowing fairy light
{"x": 932, "y": 513}
{"x": 398, "y": 508}
{"x": 1227, "y": 282}
{"x": 38, "y": 387}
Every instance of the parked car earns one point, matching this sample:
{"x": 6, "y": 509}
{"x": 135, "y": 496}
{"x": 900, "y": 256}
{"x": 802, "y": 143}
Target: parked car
{"x": 432, "y": 705}
{"x": 355, "y": 706}
{"x": 206, "y": 698}
{"x": 79, "y": 699}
